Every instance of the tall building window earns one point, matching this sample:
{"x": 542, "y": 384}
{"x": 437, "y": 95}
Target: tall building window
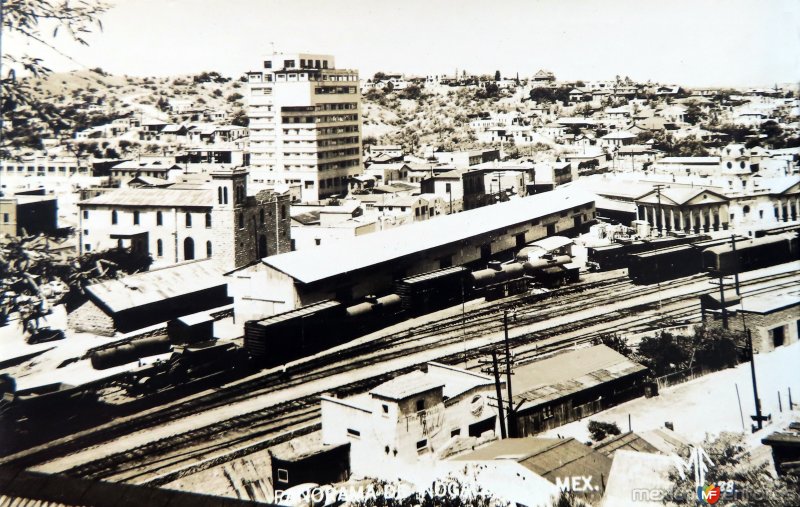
{"x": 159, "y": 218}
{"x": 188, "y": 219}
{"x": 224, "y": 195}
{"x": 261, "y": 216}
{"x": 219, "y": 195}
{"x": 136, "y": 218}
{"x": 208, "y": 249}
{"x": 85, "y": 213}
{"x": 160, "y": 248}
{"x": 241, "y": 220}
{"x": 188, "y": 249}
{"x": 283, "y": 212}
{"x": 114, "y": 217}
{"x": 208, "y": 220}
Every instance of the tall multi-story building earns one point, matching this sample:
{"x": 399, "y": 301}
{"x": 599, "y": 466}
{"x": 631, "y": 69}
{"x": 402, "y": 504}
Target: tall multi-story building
{"x": 305, "y": 124}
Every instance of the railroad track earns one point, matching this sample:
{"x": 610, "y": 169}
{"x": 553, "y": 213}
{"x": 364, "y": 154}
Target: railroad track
{"x": 151, "y": 461}
{"x": 266, "y": 382}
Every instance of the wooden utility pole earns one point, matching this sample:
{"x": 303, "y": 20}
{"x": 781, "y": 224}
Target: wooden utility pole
{"x": 509, "y": 413}
{"x": 499, "y": 395}
{"x": 736, "y": 263}
{"x": 758, "y": 418}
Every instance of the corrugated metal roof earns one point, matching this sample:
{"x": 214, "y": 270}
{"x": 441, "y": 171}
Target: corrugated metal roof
{"x": 157, "y": 285}
{"x": 363, "y": 251}
{"x": 628, "y": 441}
{"x": 570, "y": 372}
{"x": 305, "y": 310}
{"x": 161, "y": 197}
{"x": 407, "y": 385}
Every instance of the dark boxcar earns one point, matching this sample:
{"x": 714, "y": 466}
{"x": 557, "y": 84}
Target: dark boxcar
{"x": 751, "y": 254}
{"x": 615, "y": 256}
{"x": 433, "y": 290}
{"x": 294, "y": 334}
{"x": 669, "y": 263}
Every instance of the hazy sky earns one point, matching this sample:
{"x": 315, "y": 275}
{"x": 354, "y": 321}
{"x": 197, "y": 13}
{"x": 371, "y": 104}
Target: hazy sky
{"x": 691, "y": 42}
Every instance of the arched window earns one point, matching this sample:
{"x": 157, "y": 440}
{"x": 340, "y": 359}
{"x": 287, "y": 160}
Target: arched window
{"x": 160, "y": 248}
{"x": 114, "y": 217}
{"x": 188, "y": 219}
{"x": 208, "y": 249}
{"x": 159, "y": 218}
{"x": 261, "y": 215}
{"x": 241, "y": 220}
{"x": 208, "y": 220}
{"x": 188, "y": 249}
{"x": 224, "y": 195}
{"x": 135, "y": 218}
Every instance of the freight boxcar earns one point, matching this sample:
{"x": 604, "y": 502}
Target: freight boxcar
{"x": 432, "y": 291}
{"x": 669, "y": 263}
{"x": 615, "y": 256}
{"x": 296, "y": 333}
{"x": 751, "y": 254}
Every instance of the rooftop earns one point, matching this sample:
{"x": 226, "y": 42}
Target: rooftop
{"x": 316, "y": 264}
{"x": 570, "y": 372}
{"x": 550, "y": 458}
{"x": 405, "y": 386}
{"x": 156, "y": 285}
{"x": 160, "y": 197}
{"x": 770, "y": 302}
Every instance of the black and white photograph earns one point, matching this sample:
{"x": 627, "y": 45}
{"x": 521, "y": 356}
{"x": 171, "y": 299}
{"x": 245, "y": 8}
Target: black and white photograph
{"x": 431, "y": 253}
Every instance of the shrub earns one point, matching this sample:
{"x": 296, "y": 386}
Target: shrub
{"x": 600, "y": 430}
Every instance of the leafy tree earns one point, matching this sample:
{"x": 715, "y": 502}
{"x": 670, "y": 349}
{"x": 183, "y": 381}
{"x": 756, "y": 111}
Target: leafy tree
{"x": 693, "y": 113}
{"x": 379, "y": 76}
{"x": 412, "y": 92}
{"x": 664, "y": 353}
{"x": 497, "y": 75}
{"x": 490, "y": 91}
{"x": 613, "y": 340}
{"x": 162, "y": 104}
{"x": 240, "y": 118}
{"x": 717, "y": 348}
{"x": 233, "y": 97}
{"x": 22, "y": 18}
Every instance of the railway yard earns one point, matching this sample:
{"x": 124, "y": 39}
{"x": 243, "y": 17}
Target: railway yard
{"x": 180, "y": 432}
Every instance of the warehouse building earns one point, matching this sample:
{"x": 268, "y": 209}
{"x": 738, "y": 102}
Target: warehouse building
{"x": 351, "y": 269}
{"x": 149, "y": 298}
{"x": 573, "y": 385}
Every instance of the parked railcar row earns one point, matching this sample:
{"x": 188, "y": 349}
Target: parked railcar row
{"x": 615, "y": 256}
{"x": 325, "y": 324}
{"x": 719, "y": 257}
